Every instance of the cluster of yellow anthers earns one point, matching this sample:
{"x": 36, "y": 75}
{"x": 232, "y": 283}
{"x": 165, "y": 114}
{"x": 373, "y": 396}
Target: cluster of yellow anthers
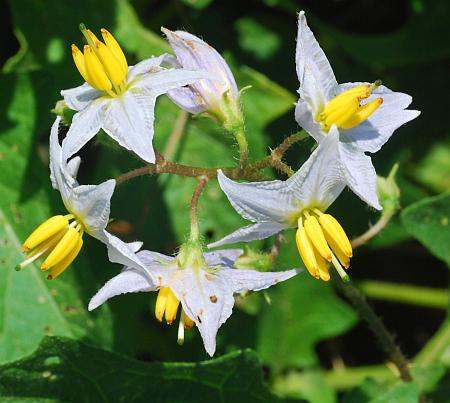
{"x": 58, "y": 239}
{"x": 321, "y": 240}
{"x": 102, "y": 64}
{"x": 345, "y": 111}
{"x": 167, "y": 304}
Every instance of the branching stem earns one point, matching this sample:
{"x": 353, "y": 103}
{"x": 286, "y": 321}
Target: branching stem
{"x": 162, "y": 165}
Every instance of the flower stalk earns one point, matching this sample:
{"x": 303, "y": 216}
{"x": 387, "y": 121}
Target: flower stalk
{"x": 195, "y": 232}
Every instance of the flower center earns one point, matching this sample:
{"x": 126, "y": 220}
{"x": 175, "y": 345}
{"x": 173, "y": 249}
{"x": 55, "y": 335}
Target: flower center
{"x": 102, "y": 64}
{"x": 346, "y": 111}
{"x": 59, "y": 239}
{"x": 321, "y": 240}
{"x": 167, "y": 305}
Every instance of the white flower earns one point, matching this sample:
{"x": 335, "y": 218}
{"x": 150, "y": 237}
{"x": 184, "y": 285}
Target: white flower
{"x": 205, "y": 95}
{"x": 60, "y": 238}
{"x": 117, "y": 98}
{"x": 204, "y": 286}
{"x": 363, "y": 127}
{"x": 298, "y": 202}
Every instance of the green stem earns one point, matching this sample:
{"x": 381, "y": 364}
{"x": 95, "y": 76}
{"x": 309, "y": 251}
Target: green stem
{"x": 372, "y": 231}
{"x": 405, "y": 294}
{"x": 241, "y": 139}
{"x": 436, "y": 346}
{"x": 376, "y": 325}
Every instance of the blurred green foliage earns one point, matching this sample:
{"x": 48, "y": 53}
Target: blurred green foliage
{"x": 308, "y": 339}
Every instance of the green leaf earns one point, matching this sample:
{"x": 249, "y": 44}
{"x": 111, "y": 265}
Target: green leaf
{"x": 31, "y": 306}
{"x": 371, "y": 391}
{"x": 433, "y": 170}
{"x": 197, "y": 4}
{"x": 66, "y": 370}
{"x": 257, "y": 39}
{"x": 429, "y": 222}
{"x": 306, "y": 311}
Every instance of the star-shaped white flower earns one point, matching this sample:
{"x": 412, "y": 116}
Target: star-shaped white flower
{"x": 205, "y": 287}
{"x": 365, "y": 114}
{"x": 60, "y": 237}
{"x": 117, "y": 98}
{"x": 298, "y": 202}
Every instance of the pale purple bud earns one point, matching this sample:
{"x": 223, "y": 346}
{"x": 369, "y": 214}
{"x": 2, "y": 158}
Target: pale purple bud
{"x": 194, "y": 54}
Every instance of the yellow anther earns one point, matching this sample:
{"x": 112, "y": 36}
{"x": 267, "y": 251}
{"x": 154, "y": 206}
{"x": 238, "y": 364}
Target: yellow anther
{"x": 333, "y": 230}
{"x": 340, "y": 115}
{"x": 161, "y": 301}
{"x": 95, "y": 71}
{"x": 63, "y": 249}
{"x": 356, "y": 93}
{"x": 342, "y": 257}
{"x": 115, "y": 48}
{"x": 306, "y": 251}
{"x": 78, "y": 58}
{"x": 315, "y": 234}
{"x": 322, "y": 266}
{"x": 66, "y": 262}
{"x": 345, "y": 110}
{"x": 92, "y": 37}
{"x": 112, "y": 66}
{"x": 171, "y": 307}
{"x": 362, "y": 114}
{"x": 102, "y": 65}
{"x": 45, "y": 231}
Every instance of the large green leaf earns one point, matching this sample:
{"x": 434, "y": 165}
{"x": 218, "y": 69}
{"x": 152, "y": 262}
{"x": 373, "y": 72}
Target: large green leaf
{"x": 31, "y": 306}
{"x": 304, "y": 312}
{"x": 66, "y": 370}
{"x": 429, "y": 222}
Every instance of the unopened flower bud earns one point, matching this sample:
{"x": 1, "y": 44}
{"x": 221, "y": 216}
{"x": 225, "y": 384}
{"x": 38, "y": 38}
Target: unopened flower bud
{"x": 217, "y": 97}
{"x": 388, "y": 191}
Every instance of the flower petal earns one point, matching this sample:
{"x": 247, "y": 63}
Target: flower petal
{"x": 150, "y": 65}
{"x": 305, "y": 119}
{"x": 317, "y": 81}
{"x": 73, "y": 166}
{"x": 251, "y": 233}
{"x": 129, "y": 280}
{"x": 122, "y": 252}
{"x": 320, "y": 180}
{"x": 80, "y": 97}
{"x": 85, "y": 124}
{"x": 129, "y": 120}
{"x": 207, "y": 299}
{"x": 224, "y": 257}
{"x": 59, "y": 173}
{"x": 188, "y": 99}
{"x": 92, "y": 204}
{"x": 359, "y": 173}
{"x": 371, "y": 134}
{"x": 159, "y": 83}
{"x": 252, "y": 280}
{"x": 258, "y": 201}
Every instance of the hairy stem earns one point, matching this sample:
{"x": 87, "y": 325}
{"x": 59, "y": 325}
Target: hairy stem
{"x": 241, "y": 139}
{"x": 195, "y": 232}
{"x": 376, "y": 325}
{"x": 162, "y": 165}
